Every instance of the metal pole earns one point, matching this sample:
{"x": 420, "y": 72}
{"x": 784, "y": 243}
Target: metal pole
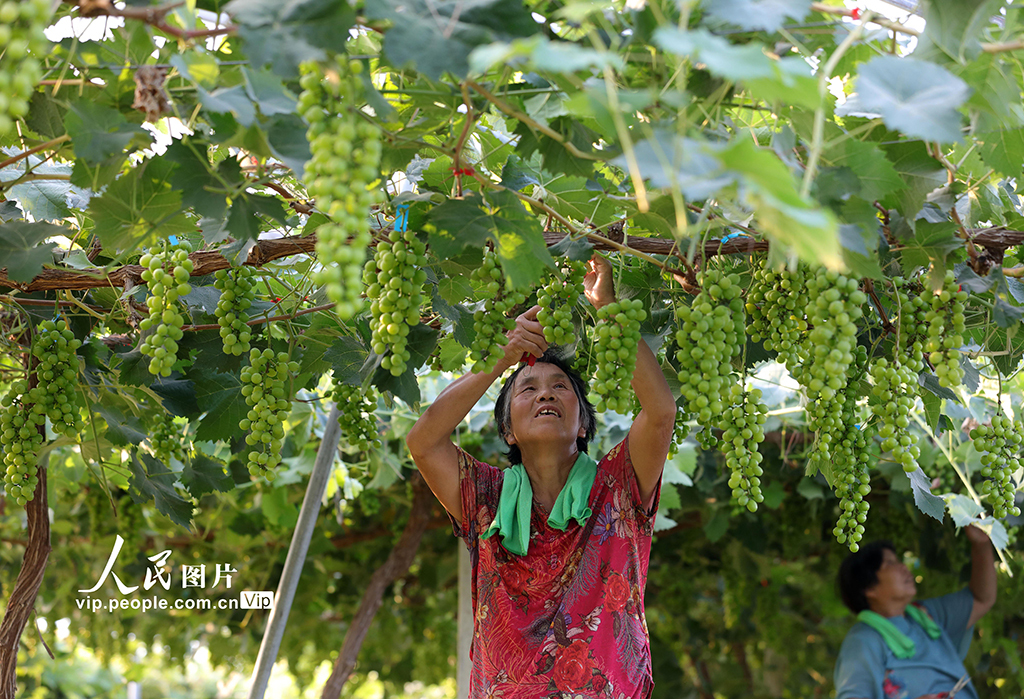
{"x": 465, "y": 622}
{"x": 296, "y": 556}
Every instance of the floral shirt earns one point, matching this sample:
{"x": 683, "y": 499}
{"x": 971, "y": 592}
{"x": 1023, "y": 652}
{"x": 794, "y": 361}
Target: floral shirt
{"x": 566, "y": 620}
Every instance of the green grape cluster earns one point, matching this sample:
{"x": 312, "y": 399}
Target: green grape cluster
{"x": 999, "y": 444}
{"x": 680, "y": 431}
{"x": 894, "y": 395}
{"x": 57, "y": 372}
{"x": 167, "y": 272}
{"x": 711, "y": 334}
{"x": 742, "y": 426}
{"x": 616, "y": 339}
{"x": 776, "y": 303}
{"x": 357, "y": 416}
{"x": 341, "y": 175}
{"x": 913, "y": 323}
{"x": 557, "y": 299}
{"x": 490, "y": 323}
{"x": 394, "y": 279}
{"x": 264, "y": 385}
{"x": 21, "y": 439}
{"x": 165, "y": 439}
{"x": 22, "y": 44}
{"x": 850, "y": 462}
{"x": 236, "y": 295}
{"x": 946, "y": 331}
{"x": 827, "y": 351}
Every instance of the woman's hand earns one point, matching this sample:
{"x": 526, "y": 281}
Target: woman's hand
{"x": 526, "y": 338}
{"x": 597, "y": 284}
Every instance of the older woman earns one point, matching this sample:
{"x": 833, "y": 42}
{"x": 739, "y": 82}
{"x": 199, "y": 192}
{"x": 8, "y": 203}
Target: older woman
{"x": 559, "y": 543}
{"x": 902, "y": 649}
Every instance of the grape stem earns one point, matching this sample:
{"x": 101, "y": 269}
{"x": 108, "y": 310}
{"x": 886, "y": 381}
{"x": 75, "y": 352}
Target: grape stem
{"x": 42, "y": 146}
{"x": 260, "y": 321}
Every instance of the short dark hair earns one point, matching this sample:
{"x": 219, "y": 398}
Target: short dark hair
{"x": 503, "y": 412}
{"x": 858, "y": 573}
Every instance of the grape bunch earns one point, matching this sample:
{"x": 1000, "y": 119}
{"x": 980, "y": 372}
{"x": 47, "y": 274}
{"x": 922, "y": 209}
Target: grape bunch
{"x": 711, "y": 334}
{"x": 616, "y": 339}
{"x": 165, "y": 439}
{"x": 827, "y": 351}
{"x": 680, "y": 431}
{"x": 556, "y": 300}
{"x": 775, "y": 305}
{"x": 850, "y": 462}
{"x": 946, "y": 330}
{"x": 167, "y": 272}
{"x": 341, "y": 175}
{"x": 57, "y": 371}
{"x": 21, "y": 439}
{"x": 742, "y": 426}
{"x": 490, "y": 323}
{"x": 894, "y": 395}
{"x": 22, "y": 43}
{"x": 264, "y": 385}
{"x": 394, "y": 279}
{"x": 236, "y": 295}
{"x": 357, "y": 416}
{"x": 1000, "y": 445}
{"x": 913, "y": 320}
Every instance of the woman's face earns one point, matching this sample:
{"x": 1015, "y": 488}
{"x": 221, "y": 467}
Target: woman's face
{"x": 544, "y": 407}
{"x": 895, "y": 581}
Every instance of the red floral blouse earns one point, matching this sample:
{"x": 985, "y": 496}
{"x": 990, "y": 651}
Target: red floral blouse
{"x": 565, "y": 621}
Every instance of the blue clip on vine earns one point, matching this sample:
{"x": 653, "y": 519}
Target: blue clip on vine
{"x": 402, "y": 218}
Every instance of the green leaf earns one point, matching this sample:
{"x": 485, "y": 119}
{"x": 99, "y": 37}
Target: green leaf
{"x": 932, "y": 242}
{"x": 437, "y": 37}
{"x": 666, "y": 160}
{"x": 229, "y": 100}
{"x": 267, "y": 91}
{"x": 220, "y": 395}
{"x": 554, "y": 155}
{"x": 43, "y": 199}
{"x": 501, "y": 219}
{"x": 284, "y": 34}
{"x": 718, "y": 525}
{"x": 121, "y": 430}
{"x": 953, "y": 29}
{"x": 45, "y": 115}
{"x": 920, "y": 171}
{"x": 286, "y": 136}
{"x": 1002, "y": 150}
{"x": 963, "y": 510}
{"x": 140, "y": 207}
{"x": 195, "y": 180}
{"x": 918, "y": 98}
{"x": 932, "y": 409}
{"x": 244, "y": 222}
{"x": 151, "y": 480}
{"x": 276, "y": 508}
{"x": 543, "y": 55}
{"x": 767, "y": 15}
{"x": 931, "y": 505}
{"x": 730, "y": 61}
{"x": 100, "y": 134}
{"x": 205, "y": 475}
{"x": 767, "y": 187}
{"x": 996, "y": 532}
{"x": 452, "y": 354}
{"x": 22, "y": 250}
{"x": 877, "y": 176}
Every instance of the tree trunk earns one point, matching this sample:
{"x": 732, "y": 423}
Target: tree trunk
{"x": 394, "y": 567}
{"x": 30, "y": 579}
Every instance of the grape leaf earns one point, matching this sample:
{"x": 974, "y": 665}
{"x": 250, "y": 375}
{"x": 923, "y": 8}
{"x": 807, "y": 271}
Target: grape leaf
{"x": 768, "y": 15}
{"x": 23, "y": 250}
{"x": 919, "y": 98}
{"x": 931, "y": 505}
{"x": 205, "y": 475}
{"x": 151, "y": 480}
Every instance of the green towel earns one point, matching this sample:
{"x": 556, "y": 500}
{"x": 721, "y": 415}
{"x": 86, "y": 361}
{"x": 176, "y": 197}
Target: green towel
{"x": 901, "y": 646}
{"x": 512, "y": 520}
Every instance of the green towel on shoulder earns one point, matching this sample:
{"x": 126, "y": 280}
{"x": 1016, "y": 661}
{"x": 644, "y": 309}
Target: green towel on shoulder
{"x": 899, "y": 644}
{"x": 512, "y": 519}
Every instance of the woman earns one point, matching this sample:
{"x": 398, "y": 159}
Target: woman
{"x": 901, "y": 649}
{"x": 559, "y": 544}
